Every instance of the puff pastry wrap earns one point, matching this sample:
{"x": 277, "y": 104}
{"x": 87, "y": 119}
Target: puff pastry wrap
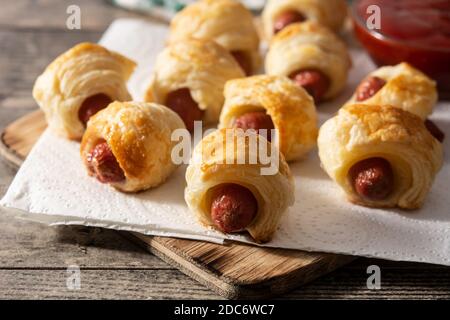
{"x": 139, "y": 135}
{"x": 227, "y": 22}
{"x": 83, "y": 71}
{"x": 330, "y": 13}
{"x": 208, "y": 168}
{"x": 406, "y": 88}
{"x": 202, "y": 66}
{"x": 291, "y": 108}
{"x": 309, "y": 45}
{"x": 361, "y": 131}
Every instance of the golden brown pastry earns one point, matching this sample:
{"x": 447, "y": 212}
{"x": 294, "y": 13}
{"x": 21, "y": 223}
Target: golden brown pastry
{"x": 401, "y": 86}
{"x": 278, "y": 14}
{"x": 128, "y": 145}
{"x": 271, "y": 102}
{"x": 381, "y": 156}
{"x": 79, "y": 83}
{"x": 189, "y": 78}
{"x": 233, "y": 196}
{"x": 312, "y": 56}
{"x": 227, "y": 22}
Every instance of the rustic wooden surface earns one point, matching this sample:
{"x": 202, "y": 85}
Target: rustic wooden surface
{"x": 34, "y": 258}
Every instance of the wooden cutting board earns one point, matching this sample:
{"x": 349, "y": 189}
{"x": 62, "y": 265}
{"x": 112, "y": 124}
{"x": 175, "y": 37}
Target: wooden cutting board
{"x": 235, "y": 271}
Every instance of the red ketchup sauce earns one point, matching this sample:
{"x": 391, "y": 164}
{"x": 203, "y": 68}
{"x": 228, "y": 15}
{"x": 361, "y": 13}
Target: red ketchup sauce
{"x": 414, "y": 31}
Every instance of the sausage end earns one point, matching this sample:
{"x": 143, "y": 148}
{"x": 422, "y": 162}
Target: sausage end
{"x": 372, "y": 179}
{"x": 103, "y": 165}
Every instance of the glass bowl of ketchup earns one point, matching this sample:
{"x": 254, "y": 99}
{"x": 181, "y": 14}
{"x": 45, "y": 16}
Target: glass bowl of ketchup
{"x": 413, "y": 31}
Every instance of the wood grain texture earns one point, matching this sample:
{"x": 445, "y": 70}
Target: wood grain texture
{"x": 26, "y": 245}
{"x": 238, "y": 271}
{"x": 413, "y": 282}
{"x": 233, "y": 270}
{"x": 107, "y": 284}
{"x": 32, "y": 33}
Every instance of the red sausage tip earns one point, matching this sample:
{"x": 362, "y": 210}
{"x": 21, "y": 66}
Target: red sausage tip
{"x": 368, "y": 88}
{"x": 313, "y": 81}
{"x": 286, "y": 18}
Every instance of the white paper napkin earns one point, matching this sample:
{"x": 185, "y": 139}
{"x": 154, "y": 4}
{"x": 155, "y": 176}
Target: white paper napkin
{"x": 52, "y": 187}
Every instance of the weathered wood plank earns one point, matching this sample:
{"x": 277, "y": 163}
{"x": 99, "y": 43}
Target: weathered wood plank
{"x": 399, "y": 280}
{"x": 101, "y": 284}
{"x": 346, "y": 283}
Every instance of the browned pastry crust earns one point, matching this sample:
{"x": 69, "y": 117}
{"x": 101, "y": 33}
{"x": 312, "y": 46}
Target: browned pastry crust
{"x": 139, "y": 135}
{"x": 211, "y": 166}
{"x": 290, "y": 107}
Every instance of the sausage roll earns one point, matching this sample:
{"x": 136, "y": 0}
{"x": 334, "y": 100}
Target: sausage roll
{"x": 128, "y": 145}
{"x": 233, "y": 196}
{"x": 278, "y": 14}
{"x": 271, "y": 102}
{"x": 189, "y": 78}
{"x": 401, "y": 86}
{"x": 381, "y": 156}
{"x": 79, "y": 83}
{"x": 312, "y": 56}
{"x": 227, "y": 22}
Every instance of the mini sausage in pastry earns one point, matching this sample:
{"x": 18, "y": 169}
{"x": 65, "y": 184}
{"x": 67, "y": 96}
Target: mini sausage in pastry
{"x": 189, "y": 78}
{"x": 278, "y": 14}
{"x": 227, "y": 22}
{"x": 271, "y": 102}
{"x": 233, "y": 197}
{"x": 401, "y": 86}
{"x": 79, "y": 83}
{"x": 312, "y": 56}
{"x": 381, "y": 156}
{"x": 128, "y": 145}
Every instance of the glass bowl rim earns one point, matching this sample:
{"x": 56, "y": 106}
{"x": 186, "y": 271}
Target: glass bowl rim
{"x": 385, "y": 38}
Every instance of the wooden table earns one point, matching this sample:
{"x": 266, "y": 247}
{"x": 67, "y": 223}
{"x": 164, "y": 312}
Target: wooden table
{"x": 34, "y": 258}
